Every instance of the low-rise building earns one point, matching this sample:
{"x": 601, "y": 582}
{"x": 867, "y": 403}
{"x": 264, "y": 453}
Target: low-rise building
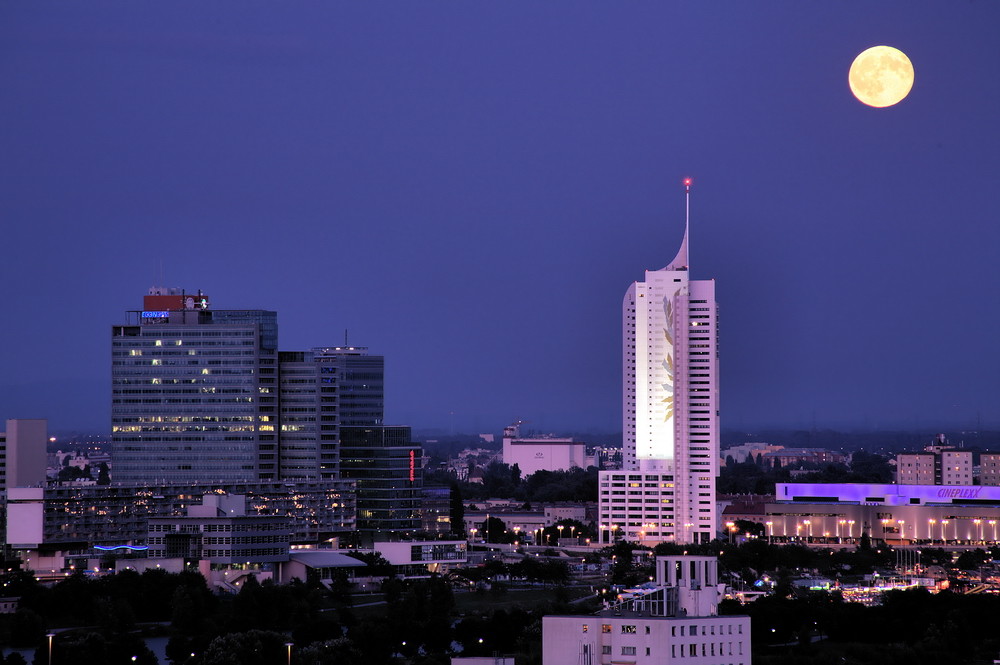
{"x": 542, "y": 453}
{"x": 675, "y": 620}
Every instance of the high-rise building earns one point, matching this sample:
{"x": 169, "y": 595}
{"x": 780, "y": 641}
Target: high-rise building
{"x": 666, "y": 490}
{"x": 194, "y": 392}
{"x": 321, "y": 390}
{"x": 204, "y": 395}
{"x": 385, "y": 464}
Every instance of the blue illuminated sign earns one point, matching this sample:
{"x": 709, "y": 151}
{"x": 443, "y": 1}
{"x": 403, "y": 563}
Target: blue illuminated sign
{"x": 108, "y": 548}
{"x": 156, "y": 315}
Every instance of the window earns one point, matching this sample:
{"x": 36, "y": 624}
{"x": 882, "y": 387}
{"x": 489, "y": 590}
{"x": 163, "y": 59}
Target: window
{"x": 628, "y": 651}
{"x": 606, "y": 628}
{"x": 628, "y": 630}
{"x": 606, "y": 649}
{"x": 586, "y": 628}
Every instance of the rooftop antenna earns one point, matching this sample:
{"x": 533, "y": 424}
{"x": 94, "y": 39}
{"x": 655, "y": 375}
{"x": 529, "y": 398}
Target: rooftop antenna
{"x": 687, "y": 214}
{"x": 345, "y": 336}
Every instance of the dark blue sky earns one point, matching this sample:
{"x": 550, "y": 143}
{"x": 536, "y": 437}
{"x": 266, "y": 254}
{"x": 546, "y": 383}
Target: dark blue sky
{"x": 470, "y": 187}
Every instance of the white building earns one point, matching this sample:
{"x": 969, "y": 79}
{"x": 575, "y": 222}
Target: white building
{"x": 670, "y": 404}
{"x": 676, "y": 621}
{"x": 546, "y": 453}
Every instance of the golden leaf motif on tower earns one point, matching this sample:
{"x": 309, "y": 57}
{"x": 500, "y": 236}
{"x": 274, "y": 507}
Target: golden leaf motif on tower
{"x": 669, "y": 401}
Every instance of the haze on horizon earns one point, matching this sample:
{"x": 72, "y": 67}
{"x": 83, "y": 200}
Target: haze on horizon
{"x": 470, "y": 189}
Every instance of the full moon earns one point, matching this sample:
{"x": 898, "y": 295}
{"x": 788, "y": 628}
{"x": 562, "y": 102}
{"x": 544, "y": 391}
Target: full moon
{"x": 881, "y": 76}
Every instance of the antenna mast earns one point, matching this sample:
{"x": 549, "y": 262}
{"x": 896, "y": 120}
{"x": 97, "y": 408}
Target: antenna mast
{"x": 687, "y": 215}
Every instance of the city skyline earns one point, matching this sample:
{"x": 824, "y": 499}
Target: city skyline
{"x": 466, "y": 191}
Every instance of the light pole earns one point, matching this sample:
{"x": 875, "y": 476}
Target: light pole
{"x": 979, "y": 523}
{"x": 289, "y": 645}
{"x": 770, "y": 531}
{"x": 850, "y": 529}
{"x": 993, "y": 523}
{"x": 930, "y": 529}
{"x": 50, "y": 636}
{"x": 944, "y": 532}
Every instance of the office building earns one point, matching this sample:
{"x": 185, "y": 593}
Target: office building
{"x": 194, "y": 392}
{"x": 220, "y": 532}
{"x": 385, "y": 465}
{"x": 204, "y": 395}
{"x": 56, "y": 526}
{"x": 675, "y": 620}
{"x": 321, "y": 390}
{"x": 666, "y": 490}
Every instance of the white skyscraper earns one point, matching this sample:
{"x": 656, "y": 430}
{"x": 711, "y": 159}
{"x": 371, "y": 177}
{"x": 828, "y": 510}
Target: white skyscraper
{"x": 670, "y": 411}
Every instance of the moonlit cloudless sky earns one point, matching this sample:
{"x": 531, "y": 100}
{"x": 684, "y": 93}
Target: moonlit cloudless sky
{"x": 470, "y": 187}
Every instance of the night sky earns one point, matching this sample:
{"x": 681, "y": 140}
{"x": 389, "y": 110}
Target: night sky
{"x": 470, "y": 187}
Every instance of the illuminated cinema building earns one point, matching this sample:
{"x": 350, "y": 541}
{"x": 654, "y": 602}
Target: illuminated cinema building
{"x": 670, "y": 406}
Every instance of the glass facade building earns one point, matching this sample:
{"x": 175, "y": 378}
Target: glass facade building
{"x": 385, "y": 464}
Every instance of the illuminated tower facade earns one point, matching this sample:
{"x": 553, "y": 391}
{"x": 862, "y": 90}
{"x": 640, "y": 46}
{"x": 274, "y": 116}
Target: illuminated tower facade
{"x": 670, "y": 411}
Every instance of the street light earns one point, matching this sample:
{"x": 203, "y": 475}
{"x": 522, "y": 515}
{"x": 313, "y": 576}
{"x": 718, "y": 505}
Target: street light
{"x": 50, "y": 636}
{"x": 770, "y": 531}
{"x": 289, "y": 645}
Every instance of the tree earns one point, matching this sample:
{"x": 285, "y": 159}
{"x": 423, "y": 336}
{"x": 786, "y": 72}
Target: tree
{"x": 27, "y": 628}
{"x": 254, "y": 647}
{"x": 495, "y": 531}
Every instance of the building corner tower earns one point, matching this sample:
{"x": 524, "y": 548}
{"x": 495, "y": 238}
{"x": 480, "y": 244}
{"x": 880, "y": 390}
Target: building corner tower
{"x": 670, "y": 411}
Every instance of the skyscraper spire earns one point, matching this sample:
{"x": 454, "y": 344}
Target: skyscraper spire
{"x": 680, "y": 261}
